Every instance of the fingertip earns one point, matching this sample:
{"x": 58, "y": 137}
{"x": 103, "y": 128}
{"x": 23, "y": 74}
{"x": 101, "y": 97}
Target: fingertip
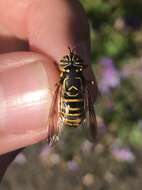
{"x": 52, "y": 30}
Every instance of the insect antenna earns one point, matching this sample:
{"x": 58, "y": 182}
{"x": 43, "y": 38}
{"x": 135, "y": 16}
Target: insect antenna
{"x": 70, "y": 50}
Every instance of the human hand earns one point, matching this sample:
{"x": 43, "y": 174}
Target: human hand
{"x": 27, "y": 79}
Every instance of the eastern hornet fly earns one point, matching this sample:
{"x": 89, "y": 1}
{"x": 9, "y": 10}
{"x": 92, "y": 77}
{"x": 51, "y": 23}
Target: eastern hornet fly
{"x": 75, "y": 101}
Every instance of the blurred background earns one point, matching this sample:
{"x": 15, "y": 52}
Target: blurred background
{"x": 116, "y": 161}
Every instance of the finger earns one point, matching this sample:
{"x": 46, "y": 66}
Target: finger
{"x": 54, "y": 21}
{"x": 68, "y": 27}
{"x": 49, "y": 26}
{"x": 27, "y": 81}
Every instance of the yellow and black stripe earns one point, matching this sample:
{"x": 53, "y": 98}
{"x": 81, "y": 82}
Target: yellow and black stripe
{"x": 72, "y": 111}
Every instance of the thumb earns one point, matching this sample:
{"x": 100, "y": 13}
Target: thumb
{"x": 26, "y": 83}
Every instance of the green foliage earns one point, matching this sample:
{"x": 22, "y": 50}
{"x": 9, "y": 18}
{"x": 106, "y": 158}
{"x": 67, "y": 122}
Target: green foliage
{"x": 135, "y": 137}
{"x": 109, "y": 36}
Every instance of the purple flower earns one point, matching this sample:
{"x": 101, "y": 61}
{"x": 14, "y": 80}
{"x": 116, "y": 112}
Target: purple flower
{"x": 110, "y": 76}
{"x": 133, "y": 21}
{"x": 45, "y": 151}
{"x": 131, "y": 69}
{"x": 73, "y": 165}
{"x": 20, "y": 159}
{"x": 123, "y": 154}
{"x": 47, "y": 156}
{"x": 86, "y": 147}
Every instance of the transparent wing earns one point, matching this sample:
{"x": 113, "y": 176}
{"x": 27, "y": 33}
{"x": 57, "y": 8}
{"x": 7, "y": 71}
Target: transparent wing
{"x": 53, "y": 126}
{"x": 90, "y": 123}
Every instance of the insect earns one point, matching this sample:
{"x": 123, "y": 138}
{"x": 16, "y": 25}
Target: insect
{"x": 73, "y": 97}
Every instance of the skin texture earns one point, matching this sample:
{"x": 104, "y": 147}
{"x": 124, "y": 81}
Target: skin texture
{"x": 44, "y": 29}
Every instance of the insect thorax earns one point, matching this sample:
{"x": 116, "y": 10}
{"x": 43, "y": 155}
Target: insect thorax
{"x": 71, "y": 61}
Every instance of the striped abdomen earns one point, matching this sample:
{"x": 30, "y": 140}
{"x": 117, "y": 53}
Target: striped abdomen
{"x": 72, "y": 101}
{"x": 72, "y": 111}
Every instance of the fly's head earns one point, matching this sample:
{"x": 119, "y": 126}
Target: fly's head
{"x": 71, "y": 62}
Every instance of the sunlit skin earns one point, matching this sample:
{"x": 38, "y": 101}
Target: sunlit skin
{"x": 27, "y": 79}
